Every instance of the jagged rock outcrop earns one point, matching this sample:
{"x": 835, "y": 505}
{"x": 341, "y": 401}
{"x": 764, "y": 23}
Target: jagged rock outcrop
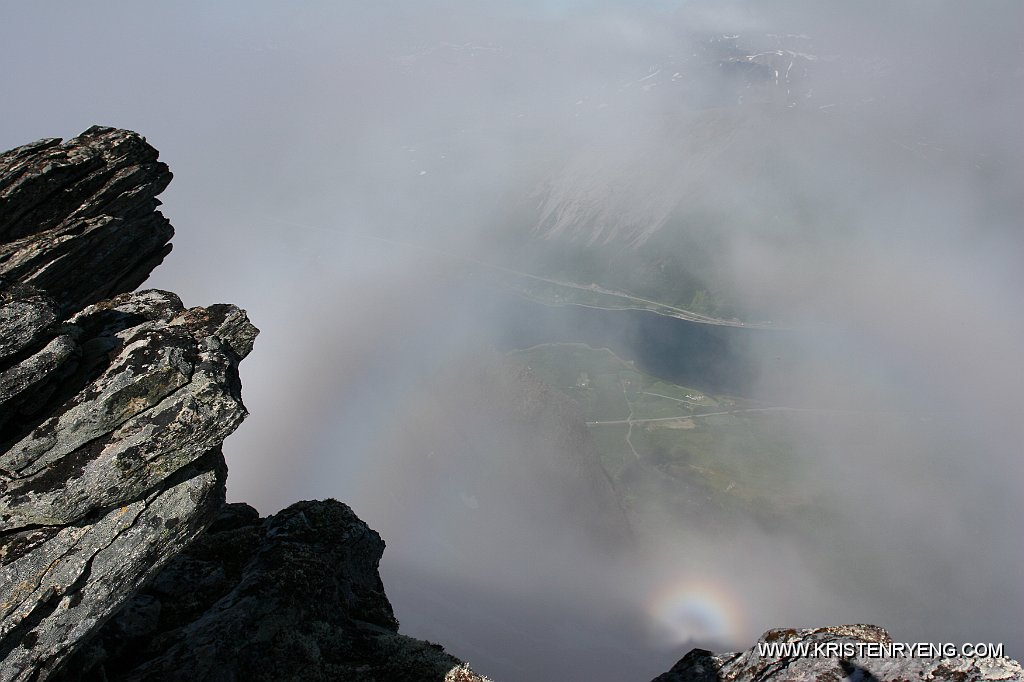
{"x": 78, "y": 219}
{"x": 295, "y": 596}
{"x": 858, "y": 653}
{"x": 112, "y": 411}
{"x": 113, "y": 408}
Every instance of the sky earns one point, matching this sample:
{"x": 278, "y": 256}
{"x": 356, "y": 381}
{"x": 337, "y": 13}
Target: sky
{"x": 871, "y": 197}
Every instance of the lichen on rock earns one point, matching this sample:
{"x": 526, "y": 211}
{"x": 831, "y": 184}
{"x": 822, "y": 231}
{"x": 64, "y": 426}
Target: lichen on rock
{"x": 113, "y": 408}
{"x": 113, "y": 405}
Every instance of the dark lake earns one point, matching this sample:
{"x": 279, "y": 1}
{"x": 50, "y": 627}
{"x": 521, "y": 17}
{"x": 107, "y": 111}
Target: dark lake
{"x": 736, "y": 361}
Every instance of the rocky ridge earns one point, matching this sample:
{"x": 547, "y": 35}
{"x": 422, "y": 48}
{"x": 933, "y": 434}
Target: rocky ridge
{"x": 79, "y": 219}
{"x": 113, "y": 408}
{"x": 295, "y": 596}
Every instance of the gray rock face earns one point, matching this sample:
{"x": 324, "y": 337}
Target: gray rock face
{"x": 78, "y": 219}
{"x": 156, "y": 389}
{"x": 835, "y": 654}
{"x": 295, "y": 596}
{"x": 112, "y": 411}
{"x": 113, "y": 407}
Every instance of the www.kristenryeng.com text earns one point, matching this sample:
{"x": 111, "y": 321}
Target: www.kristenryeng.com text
{"x": 847, "y": 649}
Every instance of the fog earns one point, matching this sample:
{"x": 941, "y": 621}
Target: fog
{"x": 851, "y": 171}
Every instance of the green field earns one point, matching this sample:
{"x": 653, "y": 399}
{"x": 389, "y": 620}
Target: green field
{"x": 649, "y": 432}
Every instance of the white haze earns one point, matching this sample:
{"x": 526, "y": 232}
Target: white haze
{"x": 303, "y": 136}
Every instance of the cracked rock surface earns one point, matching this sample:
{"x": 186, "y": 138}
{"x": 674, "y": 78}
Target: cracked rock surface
{"x": 826, "y": 661}
{"x": 113, "y": 405}
{"x": 113, "y": 408}
{"x": 294, "y": 596}
{"x": 78, "y": 219}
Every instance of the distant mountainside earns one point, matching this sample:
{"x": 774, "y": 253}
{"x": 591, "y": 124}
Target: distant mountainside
{"x": 703, "y": 122}
{"x": 732, "y": 145}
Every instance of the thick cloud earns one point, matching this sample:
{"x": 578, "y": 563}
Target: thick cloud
{"x": 860, "y": 164}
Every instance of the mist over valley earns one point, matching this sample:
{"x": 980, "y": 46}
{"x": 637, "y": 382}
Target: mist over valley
{"x": 629, "y": 328}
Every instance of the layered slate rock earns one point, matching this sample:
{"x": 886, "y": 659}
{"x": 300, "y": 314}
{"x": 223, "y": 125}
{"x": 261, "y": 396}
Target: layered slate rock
{"x": 78, "y": 219}
{"x": 112, "y": 410}
{"x": 295, "y": 596}
{"x": 835, "y": 654}
{"x": 111, "y": 462}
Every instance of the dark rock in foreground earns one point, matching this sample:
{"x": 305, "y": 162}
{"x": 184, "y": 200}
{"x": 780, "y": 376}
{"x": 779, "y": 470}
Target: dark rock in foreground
{"x": 850, "y": 652}
{"x": 112, "y": 423}
{"x": 112, "y": 412}
{"x": 113, "y": 408}
{"x": 295, "y": 596}
{"x": 78, "y": 219}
